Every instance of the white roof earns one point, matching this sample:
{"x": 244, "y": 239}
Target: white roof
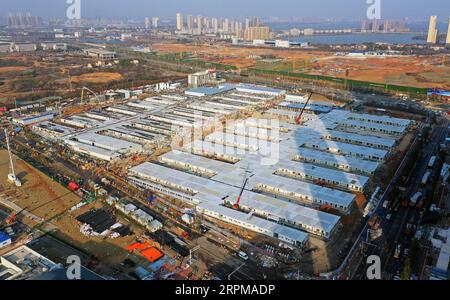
{"x": 344, "y": 148}
{"x": 213, "y": 192}
{"x": 349, "y": 162}
{"x": 92, "y": 150}
{"x": 376, "y": 126}
{"x": 342, "y": 178}
{"x": 272, "y": 227}
{"x": 366, "y": 139}
{"x": 312, "y": 191}
{"x": 197, "y": 161}
{"x": 106, "y": 142}
{"x": 380, "y": 119}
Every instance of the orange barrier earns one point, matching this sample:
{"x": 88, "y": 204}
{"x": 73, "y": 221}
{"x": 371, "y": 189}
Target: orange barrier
{"x": 152, "y": 254}
{"x": 139, "y": 246}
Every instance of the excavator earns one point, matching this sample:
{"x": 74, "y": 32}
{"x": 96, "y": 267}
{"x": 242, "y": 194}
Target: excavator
{"x": 299, "y": 118}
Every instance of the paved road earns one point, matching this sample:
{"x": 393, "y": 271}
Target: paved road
{"x": 394, "y": 229}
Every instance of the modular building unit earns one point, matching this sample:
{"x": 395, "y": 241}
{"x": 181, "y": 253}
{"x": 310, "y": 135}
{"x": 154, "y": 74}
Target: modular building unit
{"x": 253, "y": 223}
{"x": 374, "y": 127}
{"x": 200, "y": 190}
{"x": 321, "y": 175}
{"x": 380, "y": 119}
{"x": 345, "y": 163}
{"x": 28, "y": 120}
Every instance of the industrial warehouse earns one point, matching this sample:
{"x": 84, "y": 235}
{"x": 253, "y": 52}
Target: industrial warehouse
{"x": 263, "y": 174}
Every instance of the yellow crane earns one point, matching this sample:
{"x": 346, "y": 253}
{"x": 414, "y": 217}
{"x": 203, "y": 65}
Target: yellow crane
{"x": 89, "y": 90}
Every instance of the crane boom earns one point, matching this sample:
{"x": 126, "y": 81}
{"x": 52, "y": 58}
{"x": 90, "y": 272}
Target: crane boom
{"x": 9, "y": 153}
{"x": 236, "y": 205}
{"x": 89, "y": 90}
{"x": 299, "y": 118}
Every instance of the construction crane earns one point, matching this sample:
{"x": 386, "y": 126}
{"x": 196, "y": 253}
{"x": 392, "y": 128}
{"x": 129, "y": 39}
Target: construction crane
{"x": 299, "y": 118}
{"x": 12, "y": 175}
{"x": 89, "y": 90}
{"x": 236, "y": 205}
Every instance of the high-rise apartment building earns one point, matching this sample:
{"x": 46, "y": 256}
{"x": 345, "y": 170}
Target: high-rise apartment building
{"x": 179, "y": 22}
{"x": 199, "y": 25}
{"x": 447, "y": 41}
{"x": 155, "y": 21}
{"x": 215, "y": 25}
{"x": 190, "y": 23}
{"x": 257, "y": 33}
{"x": 432, "y": 31}
{"x": 247, "y": 23}
{"x": 226, "y": 25}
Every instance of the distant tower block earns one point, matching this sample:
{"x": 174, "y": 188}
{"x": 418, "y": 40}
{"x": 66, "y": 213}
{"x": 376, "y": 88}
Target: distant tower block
{"x": 447, "y": 42}
{"x": 179, "y": 22}
{"x": 432, "y": 31}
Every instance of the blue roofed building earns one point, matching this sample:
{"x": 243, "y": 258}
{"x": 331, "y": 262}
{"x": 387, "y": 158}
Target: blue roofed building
{"x": 5, "y": 240}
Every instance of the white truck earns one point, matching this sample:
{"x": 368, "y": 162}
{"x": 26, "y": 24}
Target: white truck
{"x": 425, "y": 178}
{"x": 431, "y": 162}
{"x": 415, "y": 198}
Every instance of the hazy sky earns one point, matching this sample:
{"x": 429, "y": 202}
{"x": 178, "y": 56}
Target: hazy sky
{"x": 348, "y": 9}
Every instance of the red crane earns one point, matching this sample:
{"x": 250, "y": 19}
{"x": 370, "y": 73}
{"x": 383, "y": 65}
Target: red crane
{"x": 299, "y": 118}
{"x": 236, "y": 205}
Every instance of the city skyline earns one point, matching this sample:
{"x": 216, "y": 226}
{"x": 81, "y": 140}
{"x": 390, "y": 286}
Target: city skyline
{"x": 322, "y": 9}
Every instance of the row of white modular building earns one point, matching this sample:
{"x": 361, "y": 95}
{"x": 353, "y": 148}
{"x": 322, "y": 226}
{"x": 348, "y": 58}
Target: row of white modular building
{"x": 313, "y": 165}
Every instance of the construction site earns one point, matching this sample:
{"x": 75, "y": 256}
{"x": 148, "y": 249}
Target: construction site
{"x": 250, "y": 158}
{"x": 25, "y": 77}
{"x": 425, "y": 71}
{"x": 250, "y": 161}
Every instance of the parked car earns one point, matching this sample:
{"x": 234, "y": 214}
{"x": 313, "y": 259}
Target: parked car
{"x": 243, "y": 255}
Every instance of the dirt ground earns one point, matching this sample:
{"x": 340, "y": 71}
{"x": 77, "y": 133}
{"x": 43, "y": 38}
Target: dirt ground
{"x": 97, "y": 77}
{"x": 38, "y": 194}
{"x": 12, "y": 69}
{"x": 422, "y": 71}
{"x": 239, "y": 57}
{"x": 46, "y": 199}
{"x": 109, "y": 251}
{"x": 417, "y": 71}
